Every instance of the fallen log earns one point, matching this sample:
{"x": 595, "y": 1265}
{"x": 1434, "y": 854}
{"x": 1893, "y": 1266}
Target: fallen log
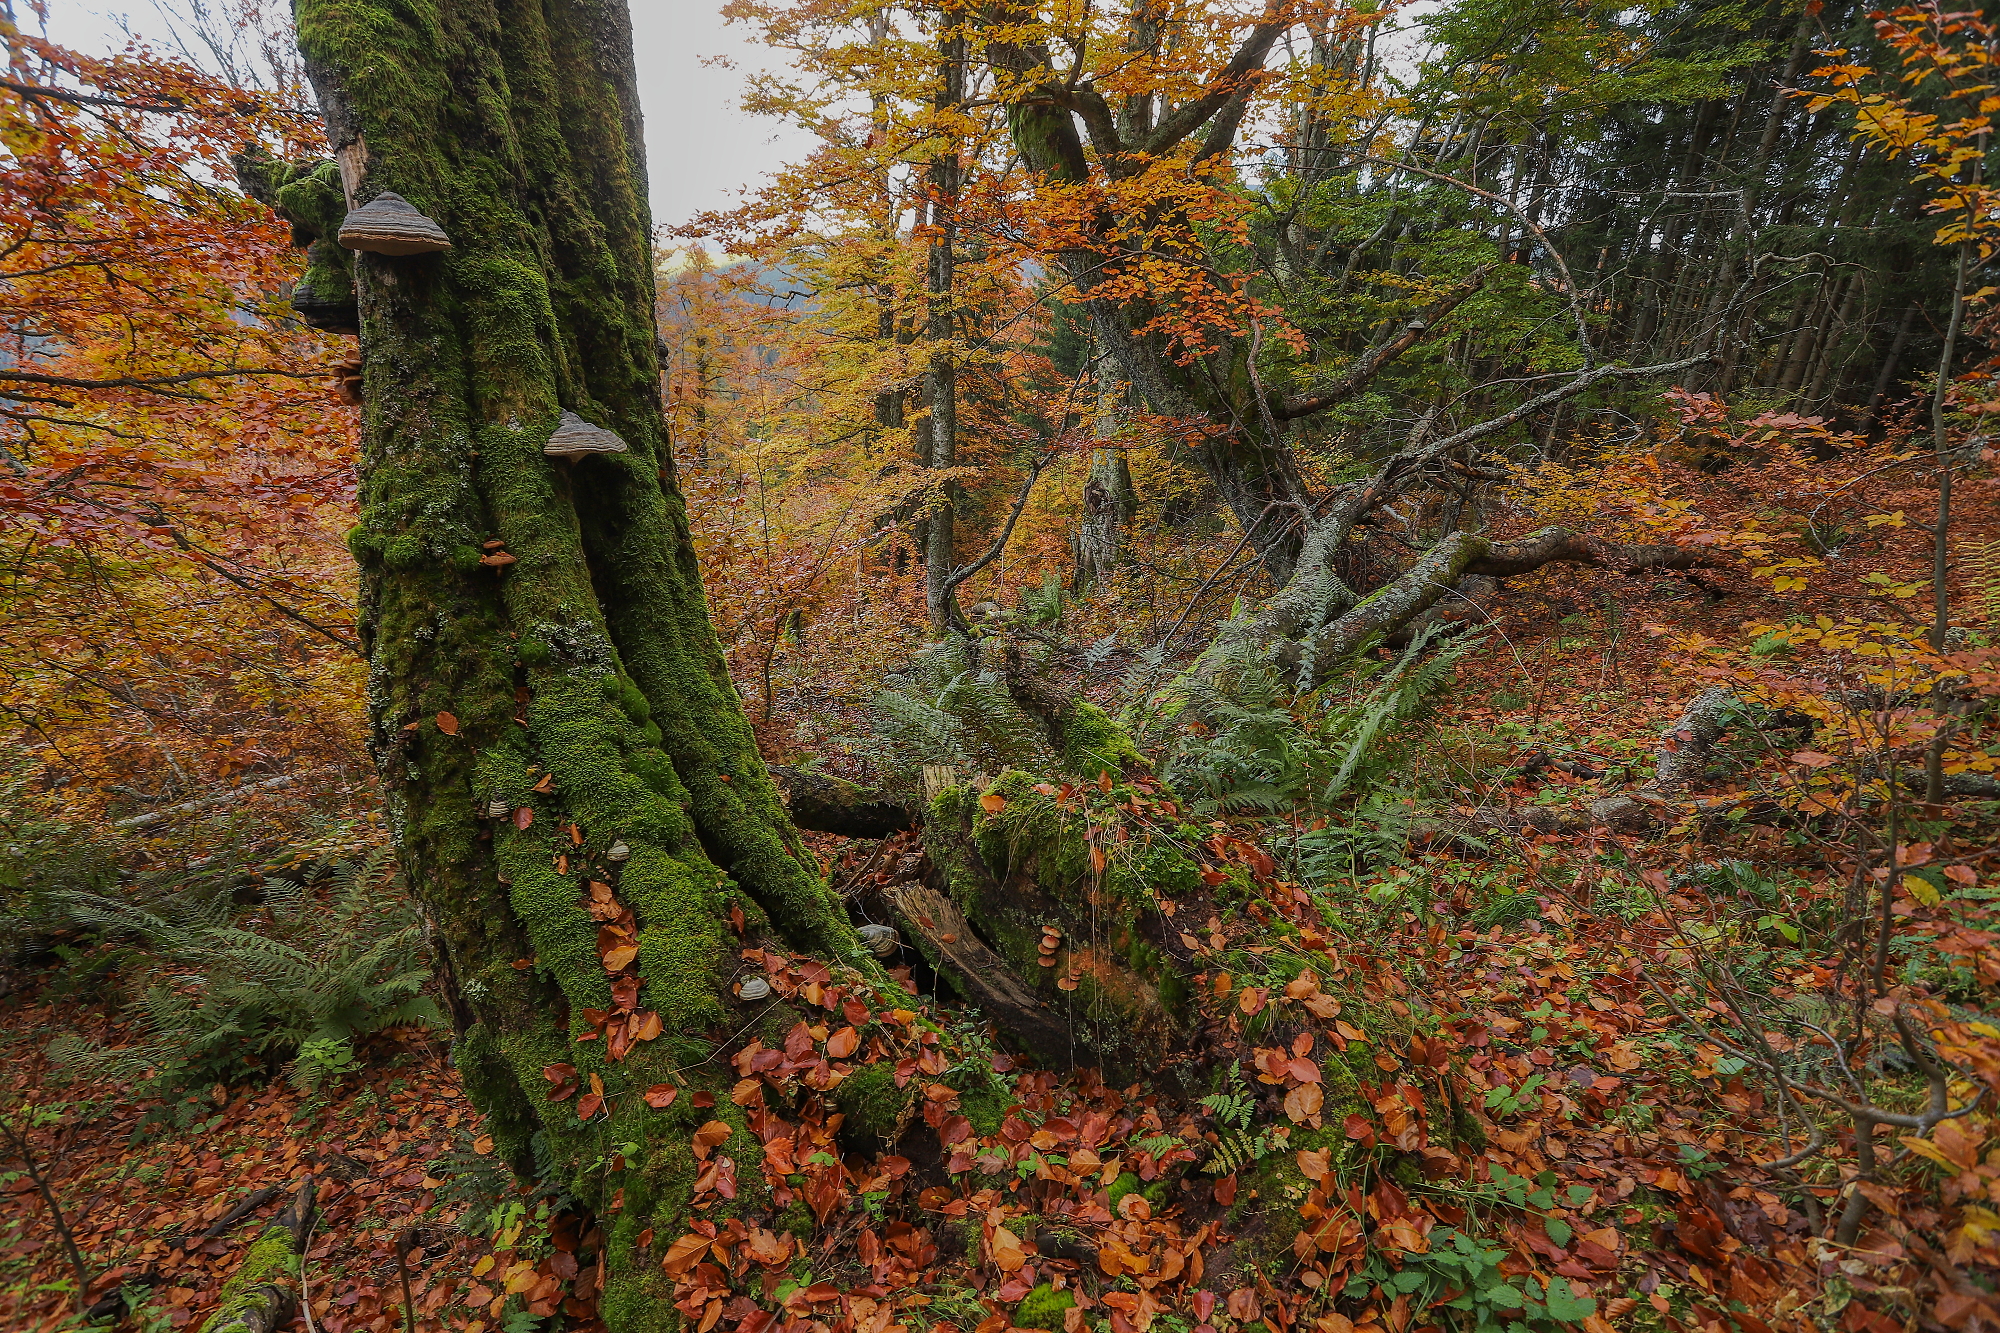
{"x": 829, "y": 805}
{"x": 262, "y": 1295}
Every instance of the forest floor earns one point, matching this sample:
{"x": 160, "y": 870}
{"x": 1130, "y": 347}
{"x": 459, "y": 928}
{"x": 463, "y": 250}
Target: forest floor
{"x": 1624, "y": 1140}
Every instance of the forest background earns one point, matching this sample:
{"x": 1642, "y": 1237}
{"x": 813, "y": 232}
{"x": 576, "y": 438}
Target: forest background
{"x": 1524, "y": 494}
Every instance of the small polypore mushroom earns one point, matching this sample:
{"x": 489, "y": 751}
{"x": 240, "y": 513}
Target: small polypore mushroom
{"x": 618, "y": 851}
{"x": 755, "y": 988}
{"x": 882, "y": 941}
{"x": 389, "y": 224}
{"x": 347, "y": 382}
{"x": 575, "y": 438}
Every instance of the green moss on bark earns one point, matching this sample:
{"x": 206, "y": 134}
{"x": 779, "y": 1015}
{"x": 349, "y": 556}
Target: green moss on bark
{"x": 261, "y": 1283}
{"x": 586, "y": 667}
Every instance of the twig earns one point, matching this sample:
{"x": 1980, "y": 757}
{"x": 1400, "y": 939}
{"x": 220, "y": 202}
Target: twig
{"x": 305, "y": 1294}
{"x": 19, "y": 1146}
{"x": 403, "y": 1244}
{"x": 209, "y": 802}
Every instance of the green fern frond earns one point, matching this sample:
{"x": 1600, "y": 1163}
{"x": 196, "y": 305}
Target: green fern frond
{"x": 300, "y": 973}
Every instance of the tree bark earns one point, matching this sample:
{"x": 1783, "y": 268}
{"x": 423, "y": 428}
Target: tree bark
{"x": 1109, "y": 501}
{"x": 577, "y": 686}
{"x": 941, "y": 378}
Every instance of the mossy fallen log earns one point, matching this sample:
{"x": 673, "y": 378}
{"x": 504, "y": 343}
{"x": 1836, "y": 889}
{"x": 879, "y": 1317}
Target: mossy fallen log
{"x": 264, "y": 1292}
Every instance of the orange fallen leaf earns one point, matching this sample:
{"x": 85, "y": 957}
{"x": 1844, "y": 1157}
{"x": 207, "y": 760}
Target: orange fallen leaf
{"x": 709, "y": 1135}
{"x": 447, "y": 724}
{"x": 681, "y": 1255}
{"x": 660, "y": 1096}
{"x": 1007, "y": 1252}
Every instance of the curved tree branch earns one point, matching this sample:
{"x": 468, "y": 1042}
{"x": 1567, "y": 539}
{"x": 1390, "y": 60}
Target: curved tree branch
{"x": 1364, "y": 370}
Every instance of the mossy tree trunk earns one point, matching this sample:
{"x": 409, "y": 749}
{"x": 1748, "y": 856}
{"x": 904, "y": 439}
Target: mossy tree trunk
{"x": 544, "y": 680}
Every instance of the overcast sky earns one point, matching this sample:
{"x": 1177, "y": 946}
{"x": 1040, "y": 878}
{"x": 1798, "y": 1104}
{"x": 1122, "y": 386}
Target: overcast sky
{"x": 713, "y": 151}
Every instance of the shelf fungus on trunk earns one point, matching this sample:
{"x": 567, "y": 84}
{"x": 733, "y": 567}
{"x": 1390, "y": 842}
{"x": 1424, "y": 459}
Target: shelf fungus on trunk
{"x": 389, "y": 224}
{"x": 576, "y": 438}
{"x": 324, "y": 297}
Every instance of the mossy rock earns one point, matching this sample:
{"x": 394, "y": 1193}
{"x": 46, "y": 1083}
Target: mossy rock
{"x": 985, "y": 1108}
{"x": 874, "y": 1107}
{"x": 1043, "y": 1308}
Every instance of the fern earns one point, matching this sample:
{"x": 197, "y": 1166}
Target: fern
{"x": 1044, "y": 605}
{"x": 942, "y": 709}
{"x": 1231, "y": 1109}
{"x": 227, "y": 1000}
{"x": 1262, "y": 749}
{"x": 1234, "y": 1109}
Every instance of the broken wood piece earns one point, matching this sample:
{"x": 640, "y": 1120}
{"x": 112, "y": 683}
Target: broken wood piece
{"x": 221, "y": 1226}
{"x": 943, "y": 933}
{"x": 261, "y": 1296}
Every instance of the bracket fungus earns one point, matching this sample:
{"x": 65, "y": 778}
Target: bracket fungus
{"x": 389, "y": 224}
{"x": 576, "y": 438}
{"x": 882, "y": 941}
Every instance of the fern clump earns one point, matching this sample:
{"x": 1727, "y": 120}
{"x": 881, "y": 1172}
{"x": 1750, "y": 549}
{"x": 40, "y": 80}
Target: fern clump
{"x": 1249, "y": 744}
{"x": 1234, "y": 1110}
{"x": 301, "y": 984}
{"x": 943, "y": 708}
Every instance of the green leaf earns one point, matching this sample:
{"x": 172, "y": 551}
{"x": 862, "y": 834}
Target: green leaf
{"x": 1565, "y": 1305}
{"x": 1579, "y": 1195}
{"x": 1559, "y": 1230}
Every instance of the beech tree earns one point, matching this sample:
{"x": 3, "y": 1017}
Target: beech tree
{"x": 573, "y": 783}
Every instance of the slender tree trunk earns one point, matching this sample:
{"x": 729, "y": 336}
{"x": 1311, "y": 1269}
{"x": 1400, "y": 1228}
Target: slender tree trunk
{"x": 1890, "y": 363}
{"x": 539, "y": 645}
{"x": 1738, "y": 250}
{"x": 1109, "y": 501}
{"x": 941, "y": 378}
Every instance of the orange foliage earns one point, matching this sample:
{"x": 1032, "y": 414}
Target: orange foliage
{"x": 176, "y": 611}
